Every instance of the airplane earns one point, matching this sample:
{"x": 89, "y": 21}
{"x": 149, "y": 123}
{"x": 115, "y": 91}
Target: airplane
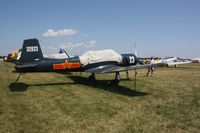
{"x": 94, "y": 62}
{"x": 13, "y": 57}
{"x": 172, "y": 61}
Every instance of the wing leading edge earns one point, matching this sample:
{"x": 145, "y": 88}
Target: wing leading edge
{"x": 114, "y": 68}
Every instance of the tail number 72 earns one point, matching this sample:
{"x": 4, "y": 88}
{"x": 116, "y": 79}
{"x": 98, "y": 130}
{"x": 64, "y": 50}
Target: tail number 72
{"x": 131, "y": 59}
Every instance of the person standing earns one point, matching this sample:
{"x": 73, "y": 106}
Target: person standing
{"x": 150, "y": 68}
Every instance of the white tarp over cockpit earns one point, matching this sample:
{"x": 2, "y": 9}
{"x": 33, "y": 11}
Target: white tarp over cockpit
{"x": 91, "y": 57}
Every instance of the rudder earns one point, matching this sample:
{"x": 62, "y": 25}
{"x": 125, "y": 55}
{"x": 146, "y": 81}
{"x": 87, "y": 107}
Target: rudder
{"x": 31, "y": 51}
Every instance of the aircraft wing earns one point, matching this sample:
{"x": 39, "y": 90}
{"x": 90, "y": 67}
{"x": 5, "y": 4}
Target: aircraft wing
{"x": 114, "y": 68}
{"x": 178, "y": 62}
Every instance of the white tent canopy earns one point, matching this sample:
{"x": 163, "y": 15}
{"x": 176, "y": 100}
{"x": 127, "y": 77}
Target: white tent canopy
{"x": 91, "y": 57}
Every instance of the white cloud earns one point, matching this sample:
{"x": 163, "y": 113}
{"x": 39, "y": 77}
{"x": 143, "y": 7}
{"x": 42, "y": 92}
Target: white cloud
{"x": 90, "y": 44}
{"x": 71, "y": 45}
{"x": 52, "y": 48}
{"x": 62, "y": 32}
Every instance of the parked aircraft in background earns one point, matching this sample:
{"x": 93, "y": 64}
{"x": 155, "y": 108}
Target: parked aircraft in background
{"x": 172, "y": 61}
{"x": 168, "y": 61}
{"x": 13, "y": 57}
{"x": 103, "y": 61}
{"x": 196, "y": 60}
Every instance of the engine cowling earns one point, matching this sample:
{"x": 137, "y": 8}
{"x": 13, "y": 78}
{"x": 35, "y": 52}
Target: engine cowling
{"x": 129, "y": 59}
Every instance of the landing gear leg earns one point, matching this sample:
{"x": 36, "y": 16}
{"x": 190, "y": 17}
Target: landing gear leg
{"x": 127, "y": 76}
{"x": 135, "y": 79}
{"x": 92, "y": 77}
{"x": 117, "y": 78}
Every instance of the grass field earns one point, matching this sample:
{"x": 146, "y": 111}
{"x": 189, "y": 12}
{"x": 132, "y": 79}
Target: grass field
{"x": 50, "y": 102}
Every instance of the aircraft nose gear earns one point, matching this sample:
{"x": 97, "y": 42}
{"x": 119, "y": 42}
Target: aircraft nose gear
{"x": 92, "y": 77}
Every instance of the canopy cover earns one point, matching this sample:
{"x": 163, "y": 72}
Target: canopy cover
{"x": 91, "y": 57}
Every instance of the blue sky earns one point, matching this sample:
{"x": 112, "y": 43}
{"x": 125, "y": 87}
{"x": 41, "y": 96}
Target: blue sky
{"x": 158, "y": 27}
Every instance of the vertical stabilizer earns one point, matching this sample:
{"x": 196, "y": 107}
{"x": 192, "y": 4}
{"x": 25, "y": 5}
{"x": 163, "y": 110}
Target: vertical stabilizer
{"x": 31, "y": 51}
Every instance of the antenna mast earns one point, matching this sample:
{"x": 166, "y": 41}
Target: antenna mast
{"x": 135, "y": 51}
